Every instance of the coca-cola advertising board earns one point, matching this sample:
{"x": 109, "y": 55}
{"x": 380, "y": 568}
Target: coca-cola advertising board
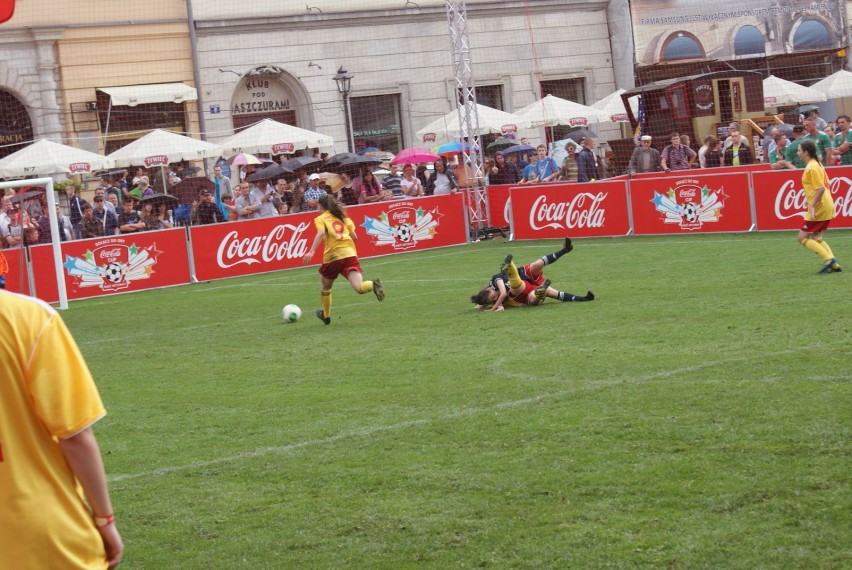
{"x": 280, "y": 242}
{"x": 780, "y": 199}
{"x": 16, "y": 278}
{"x": 114, "y": 264}
{"x": 557, "y": 210}
{"x": 692, "y": 203}
{"x": 499, "y": 207}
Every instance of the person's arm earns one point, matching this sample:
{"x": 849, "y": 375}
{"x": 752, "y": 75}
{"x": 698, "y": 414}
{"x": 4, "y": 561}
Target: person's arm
{"x": 664, "y": 159}
{"x": 501, "y": 288}
{"x": 817, "y": 197}
{"x": 84, "y": 458}
{"x": 317, "y": 241}
{"x": 692, "y": 154}
{"x": 631, "y": 165}
{"x": 554, "y": 170}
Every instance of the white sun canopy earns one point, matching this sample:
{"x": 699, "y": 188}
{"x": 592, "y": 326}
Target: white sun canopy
{"x": 133, "y": 95}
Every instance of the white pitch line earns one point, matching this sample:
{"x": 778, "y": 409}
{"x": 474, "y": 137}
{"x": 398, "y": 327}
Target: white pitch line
{"x": 369, "y": 431}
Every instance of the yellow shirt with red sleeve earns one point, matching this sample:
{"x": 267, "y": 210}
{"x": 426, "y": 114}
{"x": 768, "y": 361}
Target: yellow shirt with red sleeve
{"x": 338, "y": 237}
{"x": 46, "y": 394}
{"x": 813, "y": 178}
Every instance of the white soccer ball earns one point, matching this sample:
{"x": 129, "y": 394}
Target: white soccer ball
{"x": 113, "y": 272}
{"x": 403, "y": 232}
{"x": 291, "y": 313}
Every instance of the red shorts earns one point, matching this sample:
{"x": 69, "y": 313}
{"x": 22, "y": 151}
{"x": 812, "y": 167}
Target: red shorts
{"x": 522, "y": 298}
{"x": 527, "y": 274}
{"x": 815, "y": 226}
{"x": 337, "y": 267}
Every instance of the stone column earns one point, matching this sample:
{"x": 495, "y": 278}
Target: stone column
{"x": 621, "y": 43}
{"x": 49, "y": 119}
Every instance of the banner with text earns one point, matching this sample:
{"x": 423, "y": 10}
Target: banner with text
{"x": 272, "y": 244}
{"x": 696, "y": 202}
{"x": 564, "y": 209}
{"x": 780, "y": 199}
{"x": 115, "y": 264}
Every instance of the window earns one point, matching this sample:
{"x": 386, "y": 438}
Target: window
{"x": 749, "y": 42}
{"x": 489, "y": 96}
{"x": 571, "y": 89}
{"x": 145, "y": 117}
{"x": 682, "y": 45}
{"x": 16, "y": 130}
{"x": 811, "y": 34}
{"x": 377, "y": 122}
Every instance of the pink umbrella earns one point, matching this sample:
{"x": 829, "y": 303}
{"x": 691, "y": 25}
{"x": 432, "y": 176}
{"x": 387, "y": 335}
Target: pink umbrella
{"x": 415, "y": 155}
{"x": 244, "y": 159}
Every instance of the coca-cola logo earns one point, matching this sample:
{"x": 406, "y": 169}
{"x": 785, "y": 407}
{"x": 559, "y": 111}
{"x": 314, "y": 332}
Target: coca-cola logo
{"x": 505, "y": 129}
{"x": 429, "y": 137}
{"x": 79, "y": 167}
{"x": 156, "y": 160}
{"x": 688, "y": 194}
{"x": 282, "y": 148}
{"x": 284, "y": 241}
{"x": 620, "y": 117}
{"x": 790, "y": 199}
{"x": 769, "y": 100}
{"x": 583, "y": 211}
{"x": 112, "y": 254}
{"x": 578, "y": 121}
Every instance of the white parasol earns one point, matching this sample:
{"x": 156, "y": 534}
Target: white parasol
{"x": 780, "y": 92}
{"x": 552, "y": 111}
{"x": 611, "y": 107}
{"x": 48, "y": 157}
{"x": 491, "y": 121}
{"x": 835, "y": 86}
{"x": 272, "y": 137}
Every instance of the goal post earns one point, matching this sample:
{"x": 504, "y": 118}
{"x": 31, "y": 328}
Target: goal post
{"x": 56, "y": 239}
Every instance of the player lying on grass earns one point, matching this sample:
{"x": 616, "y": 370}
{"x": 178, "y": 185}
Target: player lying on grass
{"x": 515, "y": 287}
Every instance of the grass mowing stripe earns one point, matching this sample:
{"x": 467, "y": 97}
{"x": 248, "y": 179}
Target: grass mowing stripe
{"x": 496, "y": 368}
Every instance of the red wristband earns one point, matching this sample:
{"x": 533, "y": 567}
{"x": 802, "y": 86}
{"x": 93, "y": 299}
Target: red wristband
{"x": 106, "y": 520}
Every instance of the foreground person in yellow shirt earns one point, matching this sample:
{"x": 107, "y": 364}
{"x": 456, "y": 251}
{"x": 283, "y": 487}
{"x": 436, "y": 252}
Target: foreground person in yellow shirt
{"x": 56, "y": 511}
{"x": 820, "y": 207}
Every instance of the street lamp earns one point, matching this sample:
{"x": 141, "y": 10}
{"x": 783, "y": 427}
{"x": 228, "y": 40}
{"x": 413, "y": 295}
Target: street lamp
{"x": 344, "y": 86}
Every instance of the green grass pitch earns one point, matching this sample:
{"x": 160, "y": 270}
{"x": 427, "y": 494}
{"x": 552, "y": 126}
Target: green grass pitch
{"x": 696, "y": 415}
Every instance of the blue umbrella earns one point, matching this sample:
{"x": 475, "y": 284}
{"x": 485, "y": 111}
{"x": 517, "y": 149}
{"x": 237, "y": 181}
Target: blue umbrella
{"x": 452, "y": 148}
{"x": 519, "y": 148}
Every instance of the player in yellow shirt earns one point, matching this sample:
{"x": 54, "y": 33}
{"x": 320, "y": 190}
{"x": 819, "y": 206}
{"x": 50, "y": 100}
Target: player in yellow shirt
{"x": 820, "y": 207}
{"x": 339, "y": 255}
{"x": 56, "y": 511}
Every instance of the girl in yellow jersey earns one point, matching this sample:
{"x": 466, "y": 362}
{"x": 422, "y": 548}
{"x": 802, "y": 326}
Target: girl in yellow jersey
{"x": 339, "y": 255}
{"x": 820, "y": 207}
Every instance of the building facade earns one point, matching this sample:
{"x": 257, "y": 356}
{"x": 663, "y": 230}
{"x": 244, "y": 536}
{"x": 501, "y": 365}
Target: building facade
{"x": 59, "y": 65}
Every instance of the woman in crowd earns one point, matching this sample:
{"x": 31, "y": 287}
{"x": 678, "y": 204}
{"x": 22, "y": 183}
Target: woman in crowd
{"x": 713, "y": 154}
{"x": 367, "y": 187}
{"x": 411, "y": 185}
{"x": 820, "y": 207}
{"x": 346, "y": 195}
{"x": 442, "y": 180}
{"x": 337, "y": 232}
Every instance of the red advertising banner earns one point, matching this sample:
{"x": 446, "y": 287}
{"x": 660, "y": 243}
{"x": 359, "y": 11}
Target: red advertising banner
{"x": 16, "y": 279}
{"x": 557, "y": 210}
{"x": 758, "y": 167}
{"x": 271, "y": 244}
{"x": 115, "y": 264}
{"x": 696, "y": 202}
{"x": 499, "y": 207}
{"x": 780, "y": 199}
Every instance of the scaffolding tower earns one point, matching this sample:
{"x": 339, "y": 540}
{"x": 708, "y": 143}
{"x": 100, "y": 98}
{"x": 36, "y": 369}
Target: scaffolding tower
{"x": 477, "y": 196}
